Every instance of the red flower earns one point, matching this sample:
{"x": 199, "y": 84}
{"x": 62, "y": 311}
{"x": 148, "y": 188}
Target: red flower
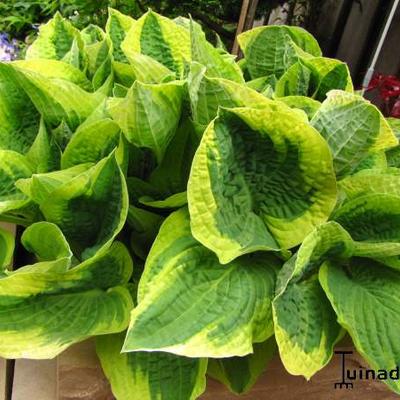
{"x": 389, "y": 91}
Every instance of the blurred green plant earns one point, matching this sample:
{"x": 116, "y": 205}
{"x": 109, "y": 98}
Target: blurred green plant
{"x": 20, "y": 18}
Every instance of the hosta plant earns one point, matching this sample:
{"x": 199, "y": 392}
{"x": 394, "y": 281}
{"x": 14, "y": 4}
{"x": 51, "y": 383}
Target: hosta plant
{"x": 194, "y": 213}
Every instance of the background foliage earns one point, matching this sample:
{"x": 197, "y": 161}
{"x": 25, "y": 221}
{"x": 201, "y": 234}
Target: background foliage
{"x": 20, "y": 18}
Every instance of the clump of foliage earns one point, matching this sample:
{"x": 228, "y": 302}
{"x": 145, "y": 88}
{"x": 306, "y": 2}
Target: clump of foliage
{"x": 193, "y": 212}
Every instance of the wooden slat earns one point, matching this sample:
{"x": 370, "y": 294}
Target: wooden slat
{"x": 240, "y": 27}
{"x": 354, "y": 40}
{"x": 35, "y": 380}
{"x": 329, "y": 27}
{"x": 2, "y": 379}
{"x": 251, "y": 14}
{"x": 246, "y": 22}
{"x": 80, "y": 376}
{"x": 389, "y": 59}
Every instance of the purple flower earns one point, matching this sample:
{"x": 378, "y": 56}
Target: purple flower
{"x": 8, "y": 49}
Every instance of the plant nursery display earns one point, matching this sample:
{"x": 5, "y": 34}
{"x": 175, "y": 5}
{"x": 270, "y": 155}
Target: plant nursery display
{"x": 194, "y": 213}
